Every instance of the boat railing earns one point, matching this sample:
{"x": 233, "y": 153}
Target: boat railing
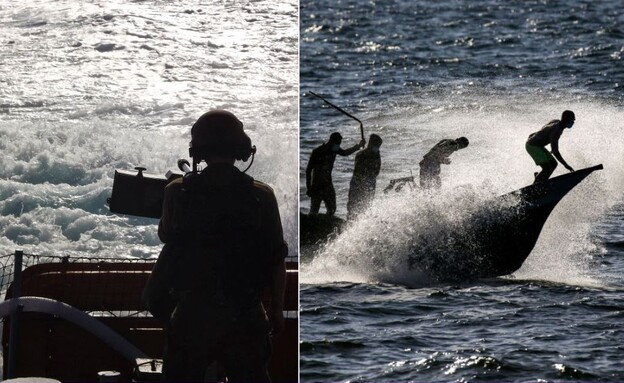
{"x": 103, "y": 290}
{"x": 78, "y": 279}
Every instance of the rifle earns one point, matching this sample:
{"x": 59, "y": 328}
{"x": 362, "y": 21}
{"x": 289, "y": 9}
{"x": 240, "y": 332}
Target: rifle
{"x": 398, "y": 183}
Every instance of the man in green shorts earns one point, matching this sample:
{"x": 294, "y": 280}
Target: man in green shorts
{"x": 549, "y": 135}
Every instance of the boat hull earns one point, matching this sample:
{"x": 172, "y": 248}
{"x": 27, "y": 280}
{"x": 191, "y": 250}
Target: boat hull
{"x": 494, "y": 241}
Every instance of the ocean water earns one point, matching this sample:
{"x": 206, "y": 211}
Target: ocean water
{"x": 416, "y": 72}
{"x": 90, "y": 87}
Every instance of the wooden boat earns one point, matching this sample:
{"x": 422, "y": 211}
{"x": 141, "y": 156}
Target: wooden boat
{"x": 491, "y": 243}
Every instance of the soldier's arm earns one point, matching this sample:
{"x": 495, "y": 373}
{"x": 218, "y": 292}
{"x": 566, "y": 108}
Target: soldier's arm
{"x": 278, "y": 251}
{"x": 278, "y": 284}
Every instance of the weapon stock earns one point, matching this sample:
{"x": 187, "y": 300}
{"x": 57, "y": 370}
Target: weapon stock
{"x": 398, "y": 183}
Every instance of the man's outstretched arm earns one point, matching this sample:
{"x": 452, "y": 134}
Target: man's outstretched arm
{"x": 351, "y": 150}
{"x": 555, "y": 151}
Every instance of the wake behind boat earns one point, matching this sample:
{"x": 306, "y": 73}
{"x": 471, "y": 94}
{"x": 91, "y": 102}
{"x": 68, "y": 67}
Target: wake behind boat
{"x": 492, "y": 243}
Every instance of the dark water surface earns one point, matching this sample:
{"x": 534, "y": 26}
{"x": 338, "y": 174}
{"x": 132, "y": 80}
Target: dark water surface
{"x": 493, "y": 71}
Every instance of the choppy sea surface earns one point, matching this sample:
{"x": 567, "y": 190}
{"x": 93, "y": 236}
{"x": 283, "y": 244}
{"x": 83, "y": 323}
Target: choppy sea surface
{"x": 90, "y": 87}
{"x": 494, "y": 71}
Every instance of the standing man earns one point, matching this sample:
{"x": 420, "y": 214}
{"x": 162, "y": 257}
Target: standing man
{"x": 364, "y": 180}
{"x": 439, "y": 154}
{"x": 319, "y": 184}
{"x": 549, "y": 135}
{"x": 227, "y": 246}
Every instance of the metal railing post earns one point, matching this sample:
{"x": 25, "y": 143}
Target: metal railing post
{"x": 15, "y": 316}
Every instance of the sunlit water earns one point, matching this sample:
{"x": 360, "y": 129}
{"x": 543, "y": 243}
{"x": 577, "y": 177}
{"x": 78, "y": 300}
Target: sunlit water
{"x": 418, "y": 72}
{"x": 90, "y": 87}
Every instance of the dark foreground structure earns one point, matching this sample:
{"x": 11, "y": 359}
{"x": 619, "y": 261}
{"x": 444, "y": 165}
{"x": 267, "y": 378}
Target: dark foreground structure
{"x": 493, "y": 242}
{"x": 79, "y": 319}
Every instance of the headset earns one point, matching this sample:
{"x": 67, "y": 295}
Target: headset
{"x": 241, "y": 150}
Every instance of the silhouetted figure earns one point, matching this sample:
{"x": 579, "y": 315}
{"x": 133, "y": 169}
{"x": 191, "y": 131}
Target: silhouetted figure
{"x": 549, "y": 135}
{"x": 225, "y": 234}
{"x": 438, "y": 155}
{"x": 364, "y": 180}
{"x": 319, "y": 184}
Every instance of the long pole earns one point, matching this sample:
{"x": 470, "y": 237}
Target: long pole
{"x": 341, "y": 111}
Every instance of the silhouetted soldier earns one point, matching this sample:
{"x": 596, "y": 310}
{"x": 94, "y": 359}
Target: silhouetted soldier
{"x": 549, "y": 135}
{"x": 364, "y": 180}
{"x": 227, "y": 245}
{"x": 439, "y": 154}
{"x": 319, "y": 184}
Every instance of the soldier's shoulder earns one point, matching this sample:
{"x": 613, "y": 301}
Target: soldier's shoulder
{"x": 264, "y": 193}
{"x": 262, "y": 187}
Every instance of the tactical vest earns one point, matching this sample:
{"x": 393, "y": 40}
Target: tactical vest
{"x": 221, "y": 251}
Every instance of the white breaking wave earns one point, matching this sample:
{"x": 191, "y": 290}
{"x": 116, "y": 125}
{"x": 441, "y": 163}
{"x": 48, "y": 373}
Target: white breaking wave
{"x": 376, "y": 247}
{"x": 75, "y": 106}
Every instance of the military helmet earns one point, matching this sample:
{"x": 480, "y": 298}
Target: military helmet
{"x": 219, "y": 133}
